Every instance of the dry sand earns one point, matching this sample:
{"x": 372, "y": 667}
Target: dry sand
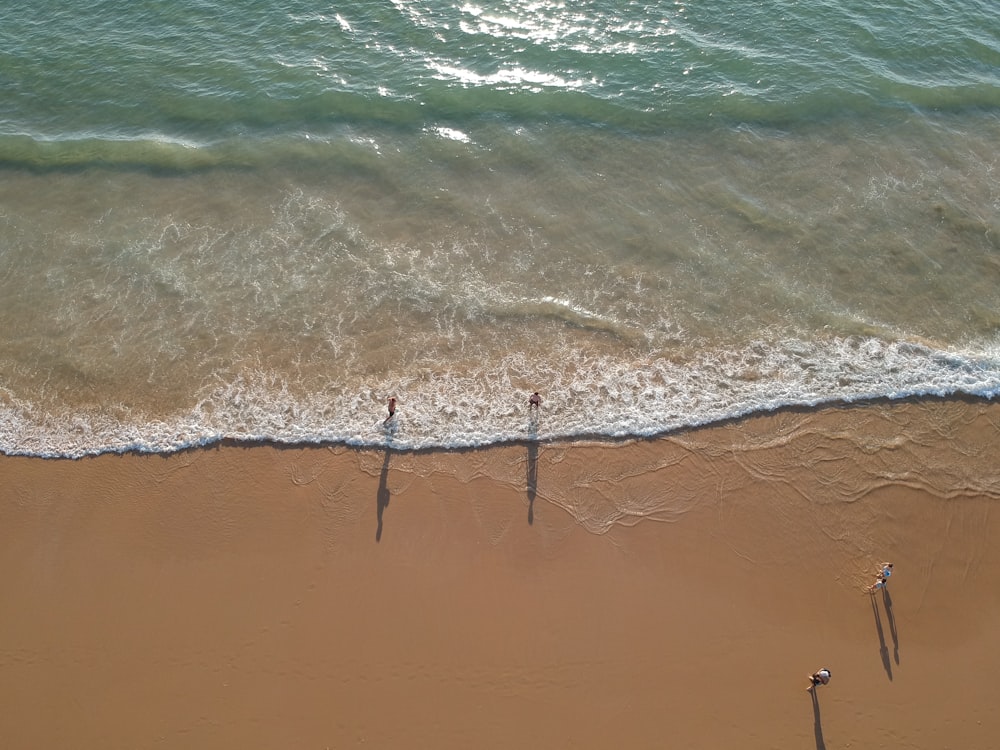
{"x": 665, "y": 593}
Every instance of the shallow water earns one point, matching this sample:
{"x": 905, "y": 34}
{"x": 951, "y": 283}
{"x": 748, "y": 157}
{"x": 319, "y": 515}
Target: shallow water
{"x": 261, "y": 224}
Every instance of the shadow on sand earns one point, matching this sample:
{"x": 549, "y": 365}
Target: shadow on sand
{"x": 883, "y": 650}
{"x": 382, "y": 498}
{"x": 531, "y": 481}
{"x": 887, "y": 600}
{"x": 817, "y": 722}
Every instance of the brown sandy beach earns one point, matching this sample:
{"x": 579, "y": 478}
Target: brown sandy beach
{"x": 665, "y": 593}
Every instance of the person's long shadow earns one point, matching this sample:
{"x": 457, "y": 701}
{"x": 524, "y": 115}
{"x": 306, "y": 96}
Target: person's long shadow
{"x": 817, "y": 723}
{"x": 531, "y": 481}
{"x": 883, "y": 649}
{"x": 887, "y": 600}
{"x": 382, "y": 498}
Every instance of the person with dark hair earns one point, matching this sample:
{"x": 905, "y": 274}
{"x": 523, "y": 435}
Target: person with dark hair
{"x": 819, "y": 677}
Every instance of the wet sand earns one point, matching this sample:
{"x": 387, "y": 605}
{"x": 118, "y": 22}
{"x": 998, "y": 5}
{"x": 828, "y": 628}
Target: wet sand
{"x": 664, "y": 593}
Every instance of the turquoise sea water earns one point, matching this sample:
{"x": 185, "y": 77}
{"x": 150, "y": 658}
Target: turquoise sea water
{"x": 241, "y": 220}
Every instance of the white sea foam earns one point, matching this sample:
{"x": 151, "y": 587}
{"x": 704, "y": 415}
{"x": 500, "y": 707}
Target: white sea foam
{"x": 452, "y": 134}
{"x": 584, "y": 397}
{"x": 511, "y": 76}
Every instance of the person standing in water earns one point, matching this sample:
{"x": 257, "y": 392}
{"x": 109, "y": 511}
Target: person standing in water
{"x": 392, "y": 409}
{"x": 534, "y": 400}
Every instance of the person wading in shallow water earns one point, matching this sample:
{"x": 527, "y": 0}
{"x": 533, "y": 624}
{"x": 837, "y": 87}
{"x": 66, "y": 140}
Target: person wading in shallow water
{"x": 534, "y": 400}
{"x": 392, "y": 409}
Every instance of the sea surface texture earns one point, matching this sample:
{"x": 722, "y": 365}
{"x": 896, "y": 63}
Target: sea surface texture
{"x": 259, "y": 220}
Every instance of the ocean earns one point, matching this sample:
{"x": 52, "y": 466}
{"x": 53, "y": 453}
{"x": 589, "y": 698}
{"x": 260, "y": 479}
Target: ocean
{"x": 258, "y": 221}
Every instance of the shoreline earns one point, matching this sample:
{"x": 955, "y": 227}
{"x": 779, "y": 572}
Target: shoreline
{"x": 674, "y": 590}
{"x": 586, "y": 438}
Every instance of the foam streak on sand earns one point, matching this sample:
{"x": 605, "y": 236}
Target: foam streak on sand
{"x": 330, "y": 596}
